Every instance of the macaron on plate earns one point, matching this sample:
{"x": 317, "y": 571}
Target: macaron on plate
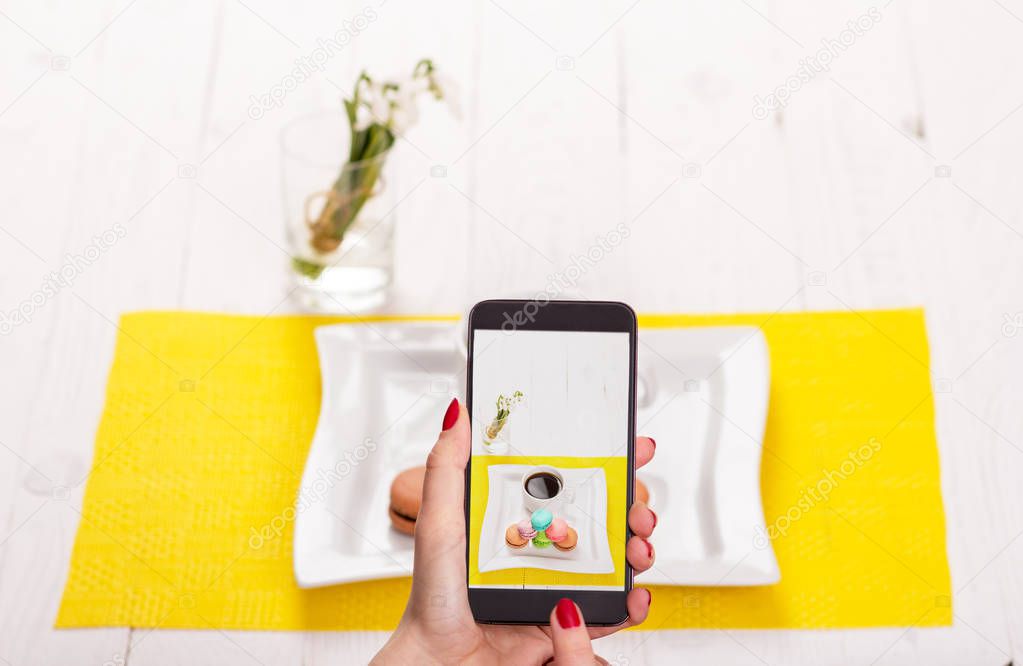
{"x": 531, "y": 530}
{"x": 563, "y": 538}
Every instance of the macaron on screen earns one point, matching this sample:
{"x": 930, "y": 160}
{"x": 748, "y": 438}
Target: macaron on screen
{"x": 548, "y": 396}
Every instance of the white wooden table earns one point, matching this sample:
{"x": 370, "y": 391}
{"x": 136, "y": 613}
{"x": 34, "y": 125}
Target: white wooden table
{"x": 891, "y": 179}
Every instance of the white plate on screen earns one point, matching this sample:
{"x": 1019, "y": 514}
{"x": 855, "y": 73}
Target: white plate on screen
{"x": 585, "y": 511}
{"x": 385, "y": 385}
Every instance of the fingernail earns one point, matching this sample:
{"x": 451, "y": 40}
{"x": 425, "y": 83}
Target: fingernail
{"x": 654, "y": 442}
{"x": 568, "y": 616}
{"x": 450, "y": 416}
{"x": 655, "y": 517}
{"x": 649, "y": 598}
{"x": 649, "y": 549}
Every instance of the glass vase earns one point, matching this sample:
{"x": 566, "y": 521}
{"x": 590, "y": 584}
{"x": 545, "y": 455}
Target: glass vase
{"x": 340, "y": 224}
{"x": 497, "y": 444}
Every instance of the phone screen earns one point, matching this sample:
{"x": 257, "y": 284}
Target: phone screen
{"x": 549, "y": 476}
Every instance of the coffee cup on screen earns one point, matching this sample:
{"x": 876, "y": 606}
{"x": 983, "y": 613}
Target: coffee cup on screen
{"x": 542, "y": 486}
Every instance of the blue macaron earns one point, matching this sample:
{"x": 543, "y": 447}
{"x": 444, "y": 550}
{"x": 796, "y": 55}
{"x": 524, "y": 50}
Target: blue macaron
{"x": 541, "y": 519}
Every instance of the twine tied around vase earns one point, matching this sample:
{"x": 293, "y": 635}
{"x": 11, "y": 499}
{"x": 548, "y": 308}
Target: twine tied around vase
{"x": 337, "y": 214}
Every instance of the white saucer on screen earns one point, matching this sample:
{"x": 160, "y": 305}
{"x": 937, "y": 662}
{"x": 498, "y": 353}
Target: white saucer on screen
{"x": 586, "y": 513}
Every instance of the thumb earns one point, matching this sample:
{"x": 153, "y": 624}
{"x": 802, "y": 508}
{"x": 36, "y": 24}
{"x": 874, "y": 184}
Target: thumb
{"x": 571, "y": 640}
{"x": 440, "y": 527}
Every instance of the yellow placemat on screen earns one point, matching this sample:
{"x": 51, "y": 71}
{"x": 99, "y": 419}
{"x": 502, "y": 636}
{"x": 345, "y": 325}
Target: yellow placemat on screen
{"x": 208, "y": 419}
{"x": 612, "y": 522}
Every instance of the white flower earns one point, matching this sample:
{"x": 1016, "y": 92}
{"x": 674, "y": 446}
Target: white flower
{"x": 363, "y": 118}
{"x": 395, "y": 104}
{"x": 378, "y": 104}
{"x": 363, "y": 87}
{"x": 401, "y": 120}
{"x": 405, "y": 108}
{"x": 445, "y": 88}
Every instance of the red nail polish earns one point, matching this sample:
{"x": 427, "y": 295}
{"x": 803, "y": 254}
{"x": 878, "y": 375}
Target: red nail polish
{"x": 568, "y": 616}
{"x": 655, "y": 517}
{"x": 649, "y": 549}
{"x": 450, "y": 416}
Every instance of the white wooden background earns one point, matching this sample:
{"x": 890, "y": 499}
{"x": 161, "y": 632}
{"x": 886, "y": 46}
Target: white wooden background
{"x": 107, "y": 110}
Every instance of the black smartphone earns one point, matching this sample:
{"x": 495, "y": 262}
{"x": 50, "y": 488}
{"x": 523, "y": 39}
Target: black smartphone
{"x": 551, "y": 394}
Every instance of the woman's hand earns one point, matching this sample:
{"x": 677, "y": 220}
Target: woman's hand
{"x": 438, "y": 626}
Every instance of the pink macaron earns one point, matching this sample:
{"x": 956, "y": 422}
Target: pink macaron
{"x": 526, "y": 530}
{"x": 557, "y": 530}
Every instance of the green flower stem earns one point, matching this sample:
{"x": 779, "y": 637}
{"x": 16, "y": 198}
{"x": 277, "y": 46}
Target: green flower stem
{"x": 309, "y": 269}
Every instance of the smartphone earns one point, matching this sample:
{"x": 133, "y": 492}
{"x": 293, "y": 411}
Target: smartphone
{"x": 551, "y": 392}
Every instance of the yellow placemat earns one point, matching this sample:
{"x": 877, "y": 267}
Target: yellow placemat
{"x": 208, "y": 419}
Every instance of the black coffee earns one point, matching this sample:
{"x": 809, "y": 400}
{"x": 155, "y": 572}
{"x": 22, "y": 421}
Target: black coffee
{"x": 543, "y": 485}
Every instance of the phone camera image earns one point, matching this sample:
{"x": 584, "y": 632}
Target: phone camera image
{"x": 549, "y": 474}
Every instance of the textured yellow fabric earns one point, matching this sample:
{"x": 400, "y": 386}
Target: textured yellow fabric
{"x": 208, "y": 419}
{"x": 615, "y": 475}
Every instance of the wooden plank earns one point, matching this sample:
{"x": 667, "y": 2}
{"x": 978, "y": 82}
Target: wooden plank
{"x": 705, "y": 197}
{"x": 77, "y": 189}
{"x": 976, "y": 125}
{"x": 546, "y": 160}
{"x": 90, "y": 115}
{"x": 885, "y": 233}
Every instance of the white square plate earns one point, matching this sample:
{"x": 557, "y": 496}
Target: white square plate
{"x": 384, "y": 387}
{"x": 703, "y": 397}
{"x": 585, "y": 511}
